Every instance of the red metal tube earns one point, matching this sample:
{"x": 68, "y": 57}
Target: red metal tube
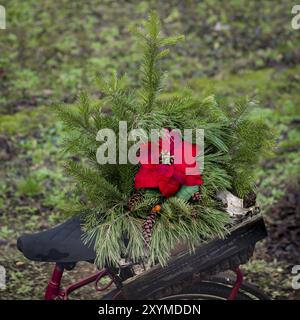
{"x": 237, "y": 285}
{"x": 54, "y": 291}
{"x": 53, "y": 288}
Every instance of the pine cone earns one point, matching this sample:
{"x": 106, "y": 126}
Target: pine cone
{"x": 148, "y": 225}
{"x": 196, "y": 196}
{"x": 134, "y": 199}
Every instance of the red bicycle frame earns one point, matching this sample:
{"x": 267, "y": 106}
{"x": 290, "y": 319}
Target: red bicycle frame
{"x": 54, "y": 291}
{"x": 237, "y": 285}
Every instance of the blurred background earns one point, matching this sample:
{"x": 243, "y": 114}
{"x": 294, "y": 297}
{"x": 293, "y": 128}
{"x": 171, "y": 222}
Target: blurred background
{"x": 50, "y": 50}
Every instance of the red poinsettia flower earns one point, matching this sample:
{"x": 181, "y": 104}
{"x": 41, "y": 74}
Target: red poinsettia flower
{"x": 167, "y": 164}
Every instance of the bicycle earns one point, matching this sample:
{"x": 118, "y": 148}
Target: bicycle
{"x": 200, "y": 275}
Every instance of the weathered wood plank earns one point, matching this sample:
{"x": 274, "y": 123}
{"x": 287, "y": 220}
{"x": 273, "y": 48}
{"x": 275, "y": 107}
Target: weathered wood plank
{"x": 184, "y": 264}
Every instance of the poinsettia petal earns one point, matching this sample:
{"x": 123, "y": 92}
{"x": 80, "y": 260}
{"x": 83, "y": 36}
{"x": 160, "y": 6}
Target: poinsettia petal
{"x": 190, "y": 151}
{"x": 149, "y": 153}
{"x": 168, "y": 187}
{"x": 193, "y": 180}
{"x": 192, "y": 170}
{"x": 166, "y": 170}
{"x": 179, "y": 175}
{"x": 151, "y": 166}
{"x": 195, "y": 150}
{"x": 185, "y": 153}
{"x": 176, "y": 146}
{"x": 171, "y": 141}
{"x": 146, "y": 178}
{"x": 185, "y": 169}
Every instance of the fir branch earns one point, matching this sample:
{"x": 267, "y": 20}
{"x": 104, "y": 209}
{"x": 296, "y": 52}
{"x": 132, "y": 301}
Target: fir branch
{"x": 84, "y": 108}
{"x": 69, "y": 116}
{"x": 90, "y": 180}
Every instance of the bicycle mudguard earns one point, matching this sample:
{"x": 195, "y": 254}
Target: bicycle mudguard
{"x": 213, "y": 257}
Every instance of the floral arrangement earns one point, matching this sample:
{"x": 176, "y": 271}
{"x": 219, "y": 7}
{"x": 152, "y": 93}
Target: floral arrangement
{"x": 142, "y": 210}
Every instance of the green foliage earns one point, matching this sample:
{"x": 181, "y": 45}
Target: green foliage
{"x": 233, "y": 145}
{"x": 5, "y": 232}
{"x": 29, "y": 186}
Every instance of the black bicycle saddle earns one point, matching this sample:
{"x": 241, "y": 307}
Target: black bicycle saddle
{"x": 61, "y": 244}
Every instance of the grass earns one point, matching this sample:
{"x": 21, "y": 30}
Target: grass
{"x": 272, "y": 278}
{"x": 25, "y": 121}
{"x": 29, "y": 187}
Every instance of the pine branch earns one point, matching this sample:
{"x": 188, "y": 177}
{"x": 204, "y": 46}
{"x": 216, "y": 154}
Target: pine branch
{"x": 154, "y": 50}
